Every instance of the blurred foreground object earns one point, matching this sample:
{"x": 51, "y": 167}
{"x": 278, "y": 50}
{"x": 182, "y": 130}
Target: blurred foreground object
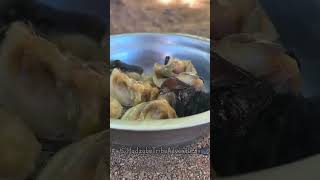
{"x": 56, "y": 93}
{"x": 19, "y": 150}
{"x": 241, "y": 16}
{"x": 299, "y": 26}
{"x": 84, "y": 160}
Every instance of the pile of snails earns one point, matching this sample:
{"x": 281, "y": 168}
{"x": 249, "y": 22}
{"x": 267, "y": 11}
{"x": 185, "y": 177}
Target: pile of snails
{"x": 165, "y": 93}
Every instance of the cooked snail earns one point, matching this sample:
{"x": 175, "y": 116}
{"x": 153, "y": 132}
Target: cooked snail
{"x": 264, "y": 59}
{"x": 184, "y": 98}
{"x": 181, "y": 91}
{"x": 115, "y": 108}
{"x": 125, "y": 67}
{"x": 156, "y": 109}
{"x": 182, "y": 69}
{"x": 128, "y": 91}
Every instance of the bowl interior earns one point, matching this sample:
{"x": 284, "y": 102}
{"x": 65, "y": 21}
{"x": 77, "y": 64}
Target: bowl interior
{"x": 146, "y": 49}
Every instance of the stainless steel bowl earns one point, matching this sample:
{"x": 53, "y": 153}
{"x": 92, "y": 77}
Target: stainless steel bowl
{"x": 145, "y": 49}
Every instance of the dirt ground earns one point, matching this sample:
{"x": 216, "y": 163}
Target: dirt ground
{"x": 151, "y": 16}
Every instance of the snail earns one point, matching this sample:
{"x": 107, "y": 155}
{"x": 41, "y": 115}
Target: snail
{"x": 156, "y": 109}
{"x": 128, "y": 91}
{"x": 264, "y": 59}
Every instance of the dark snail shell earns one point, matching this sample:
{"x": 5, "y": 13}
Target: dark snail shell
{"x": 125, "y": 67}
{"x": 255, "y": 127}
{"x": 238, "y": 99}
{"x": 185, "y": 99}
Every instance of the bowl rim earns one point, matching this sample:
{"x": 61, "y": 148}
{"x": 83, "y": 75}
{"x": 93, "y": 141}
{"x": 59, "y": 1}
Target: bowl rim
{"x": 162, "y": 33}
{"x": 161, "y": 125}
{"x": 165, "y": 124}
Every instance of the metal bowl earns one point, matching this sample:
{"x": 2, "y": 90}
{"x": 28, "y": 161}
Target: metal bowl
{"x": 146, "y": 49}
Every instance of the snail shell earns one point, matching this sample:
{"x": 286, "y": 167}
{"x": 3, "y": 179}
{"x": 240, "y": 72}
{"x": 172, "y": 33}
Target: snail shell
{"x": 115, "y": 108}
{"x": 156, "y": 109}
{"x": 263, "y": 59}
{"x": 181, "y": 69}
{"x": 128, "y": 91}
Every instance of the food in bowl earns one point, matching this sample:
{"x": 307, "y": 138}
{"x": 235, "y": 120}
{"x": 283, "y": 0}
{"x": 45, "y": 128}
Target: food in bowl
{"x": 165, "y": 93}
{"x": 261, "y": 119}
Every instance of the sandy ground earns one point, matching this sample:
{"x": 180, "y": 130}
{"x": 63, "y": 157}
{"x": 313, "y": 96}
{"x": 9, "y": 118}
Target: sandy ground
{"x": 130, "y": 165}
{"x": 150, "y": 16}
